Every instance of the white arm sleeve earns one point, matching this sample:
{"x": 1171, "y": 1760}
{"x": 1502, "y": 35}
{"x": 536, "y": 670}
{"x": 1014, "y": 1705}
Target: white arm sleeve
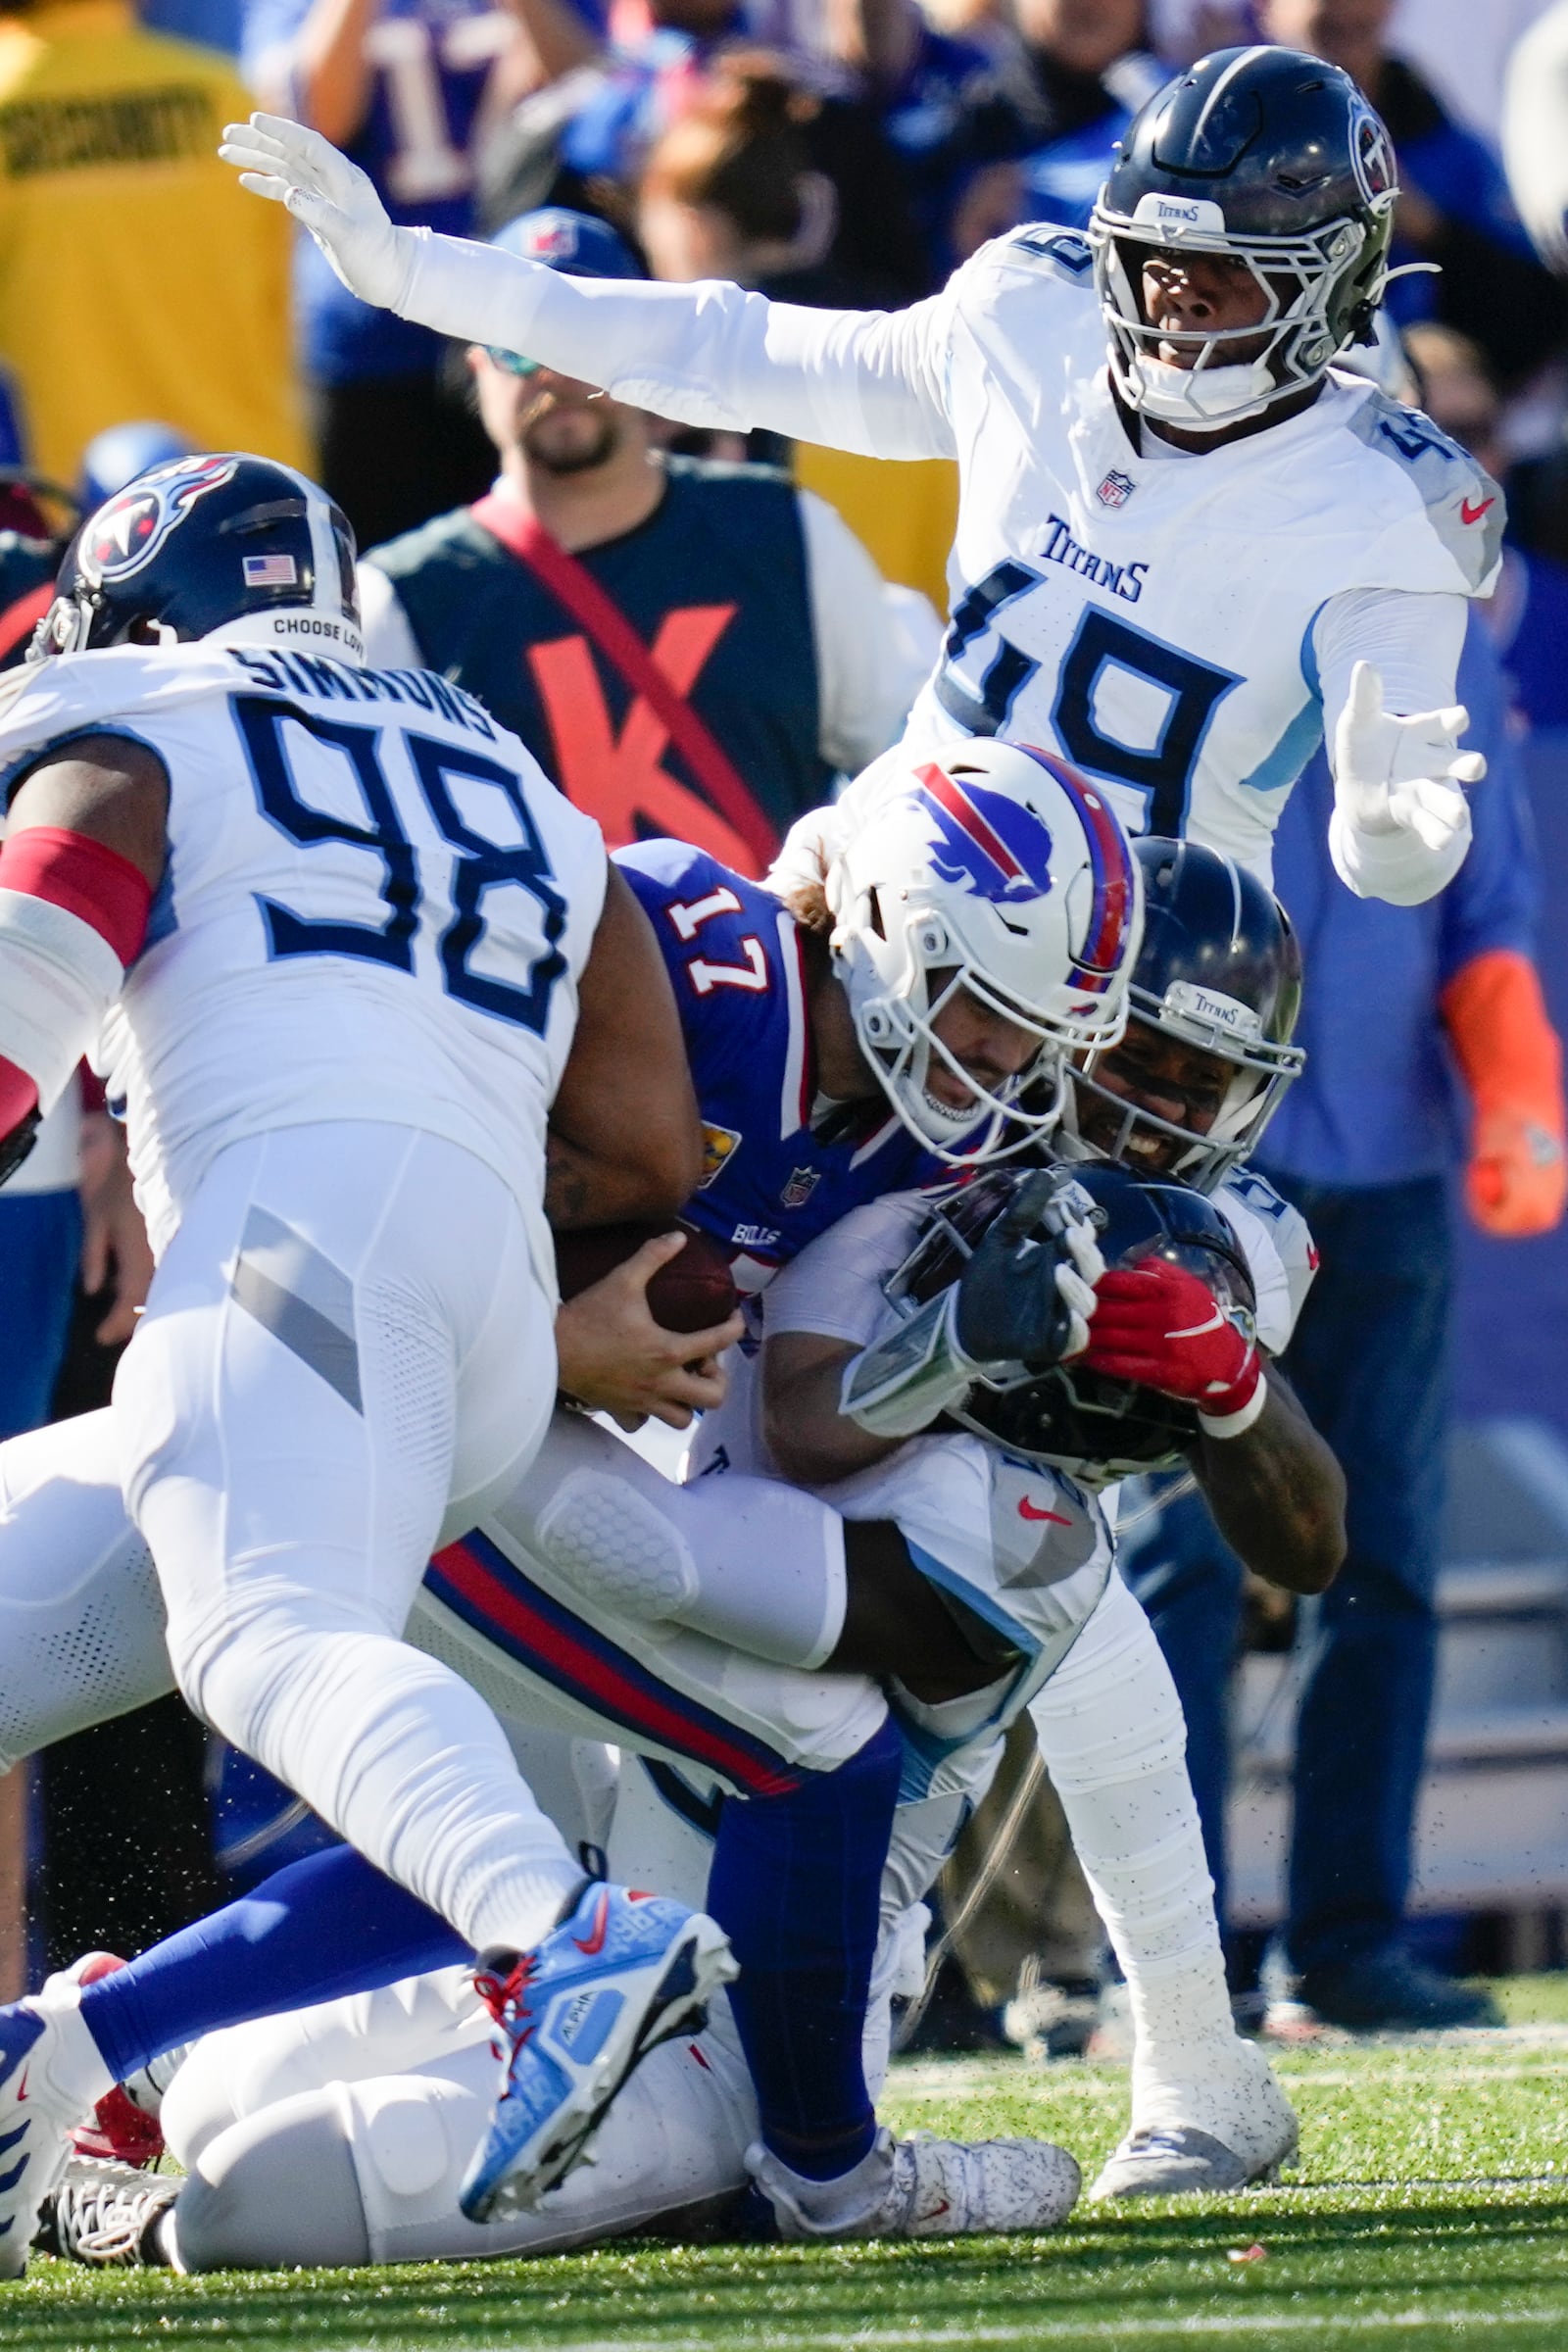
{"x": 834, "y": 1288}
{"x": 389, "y": 641}
{"x": 1414, "y": 643}
{"x": 873, "y": 651}
{"x": 871, "y": 381}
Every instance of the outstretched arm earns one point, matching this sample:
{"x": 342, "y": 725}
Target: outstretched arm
{"x": 707, "y": 355}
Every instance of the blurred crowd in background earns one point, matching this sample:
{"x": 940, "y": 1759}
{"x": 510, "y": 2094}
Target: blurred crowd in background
{"x": 784, "y": 607}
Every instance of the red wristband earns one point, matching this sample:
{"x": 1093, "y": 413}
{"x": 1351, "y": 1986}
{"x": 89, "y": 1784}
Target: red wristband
{"x": 86, "y": 878}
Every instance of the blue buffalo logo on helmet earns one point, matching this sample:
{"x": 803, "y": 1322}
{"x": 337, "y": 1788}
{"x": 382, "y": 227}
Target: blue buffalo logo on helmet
{"x": 997, "y": 848}
{"x": 130, "y": 529}
{"x": 983, "y": 842}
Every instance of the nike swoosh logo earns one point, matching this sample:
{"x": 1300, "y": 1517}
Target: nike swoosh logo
{"x": 19, "y": 2094}
{"x": 1030, "y": 1510}
{"x": 594, "y": 1942}
{"x": 1470, "y": 513}
{"x": 1196, "y": 1331}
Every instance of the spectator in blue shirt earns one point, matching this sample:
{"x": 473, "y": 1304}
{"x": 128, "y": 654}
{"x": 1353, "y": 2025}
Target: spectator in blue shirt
{"x": 584, "y": 147}
{"x": 1455, "y": 206}
{"x": 405, "y": 88}
{"x": 1428, "y": 1048}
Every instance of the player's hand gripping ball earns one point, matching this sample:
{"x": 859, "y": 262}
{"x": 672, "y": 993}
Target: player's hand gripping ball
{"x": 647, "y": 1313}
{"x": 691, "y": 1292}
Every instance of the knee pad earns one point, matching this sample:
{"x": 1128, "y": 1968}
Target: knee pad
{"x": 616, "y": 1546}
{"x": 277, "y": 2190}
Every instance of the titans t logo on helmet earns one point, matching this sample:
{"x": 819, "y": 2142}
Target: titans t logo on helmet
{"x": 130, "y": 529}
{"x": 984, "y": 842}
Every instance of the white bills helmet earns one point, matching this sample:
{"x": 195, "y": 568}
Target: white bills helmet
{"x": 1000, "y": 872}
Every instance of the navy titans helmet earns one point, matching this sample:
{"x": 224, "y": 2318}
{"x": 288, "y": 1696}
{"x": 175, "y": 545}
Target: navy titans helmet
{"x": 1069, "y": 1417}
{"x": 234, "y": 549}
{"x": 1272, "y": 159}
{"x": 1219, "y": 970}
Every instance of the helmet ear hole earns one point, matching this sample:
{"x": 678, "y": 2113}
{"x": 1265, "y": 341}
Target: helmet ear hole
{"x": 873, "y": 908}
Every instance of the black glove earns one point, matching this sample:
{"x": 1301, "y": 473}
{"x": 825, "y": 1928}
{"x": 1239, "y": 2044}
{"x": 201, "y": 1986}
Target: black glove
{"x": 1027, "y": 1294}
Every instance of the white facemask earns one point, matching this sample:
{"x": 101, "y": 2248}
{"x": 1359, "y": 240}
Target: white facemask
{"x": 1199, "y": 396}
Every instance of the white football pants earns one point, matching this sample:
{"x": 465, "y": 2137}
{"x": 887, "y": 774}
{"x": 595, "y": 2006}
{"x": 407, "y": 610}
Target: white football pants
{"x": 347, "y": 1351}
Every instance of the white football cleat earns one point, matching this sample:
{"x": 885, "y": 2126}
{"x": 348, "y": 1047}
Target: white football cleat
{"x": 107, "y": 2215}
{"x": 924, "y": 2187}
{"x": 1201, "y": 2138}
{"x": 44, "y": 2047}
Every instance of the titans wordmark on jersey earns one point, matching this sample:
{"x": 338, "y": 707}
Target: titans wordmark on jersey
{"x": 375, "y": 907}
{"x": 1151, "y": 619}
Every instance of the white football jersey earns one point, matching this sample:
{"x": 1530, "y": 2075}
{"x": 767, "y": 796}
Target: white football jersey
{"x": 375, "y": 907}
{"x": 1151, "y": 618}
{"x": 1172, "y": 623}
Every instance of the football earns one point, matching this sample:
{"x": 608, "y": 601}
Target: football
{"x": 694, "y": 1291}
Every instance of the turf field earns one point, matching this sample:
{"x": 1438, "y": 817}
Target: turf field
{"x": 1430, "y": 2209}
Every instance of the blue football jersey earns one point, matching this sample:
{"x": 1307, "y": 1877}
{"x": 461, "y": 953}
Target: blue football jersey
{"x": 770, "y": 1183}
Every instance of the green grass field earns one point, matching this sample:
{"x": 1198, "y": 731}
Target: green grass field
{"x": 1430, "y": 2209}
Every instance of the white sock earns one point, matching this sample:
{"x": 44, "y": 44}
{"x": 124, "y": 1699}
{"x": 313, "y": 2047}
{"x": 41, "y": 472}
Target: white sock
{"x": 1110, "y": 1730}
{"x": 812, "y": 2208}
{"x": 76, "y": 2076}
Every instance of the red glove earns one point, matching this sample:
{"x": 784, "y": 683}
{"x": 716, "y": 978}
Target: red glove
{"x": 1163, "y": 1328}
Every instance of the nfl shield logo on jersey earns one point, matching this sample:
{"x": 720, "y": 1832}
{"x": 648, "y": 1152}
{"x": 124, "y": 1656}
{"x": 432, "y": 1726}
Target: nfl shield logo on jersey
{"x": 1115, "y": 490}
{"x": 800, "y": 1188}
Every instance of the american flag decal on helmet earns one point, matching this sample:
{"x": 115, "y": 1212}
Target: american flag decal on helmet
{"x": 1110, "y": 859}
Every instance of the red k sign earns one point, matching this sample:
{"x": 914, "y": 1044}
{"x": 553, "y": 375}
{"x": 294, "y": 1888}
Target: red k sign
{"x": 616, "y": 778}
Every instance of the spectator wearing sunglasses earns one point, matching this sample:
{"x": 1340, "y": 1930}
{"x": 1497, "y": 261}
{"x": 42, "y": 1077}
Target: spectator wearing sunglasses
{"x": 688, "y": 648}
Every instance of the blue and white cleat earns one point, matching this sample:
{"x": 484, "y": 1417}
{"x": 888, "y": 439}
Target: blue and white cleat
{"x": 36, "y": 2114}
{"x": 618, "y": 1974}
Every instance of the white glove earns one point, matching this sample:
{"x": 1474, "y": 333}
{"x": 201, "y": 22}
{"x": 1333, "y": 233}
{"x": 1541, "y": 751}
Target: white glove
{"x": 1402, "y": 775}
{"x": 1075, "y": 1283}
{"x": 331, "y": 197}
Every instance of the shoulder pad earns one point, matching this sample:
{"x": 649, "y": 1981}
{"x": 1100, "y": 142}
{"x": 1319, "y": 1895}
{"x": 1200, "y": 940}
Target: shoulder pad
{"x": 79, "y": 693}
{"x": 664, "y": 868}
{"x": 1279, "y": 1249}
{"x": 1464, "y": 505}
{"x": 1059, "y": 253}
